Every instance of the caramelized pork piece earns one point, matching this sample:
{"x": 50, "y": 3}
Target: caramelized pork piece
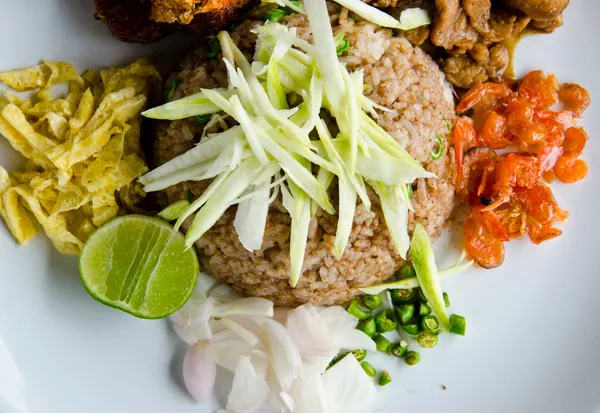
{"x": 539, "y": 9}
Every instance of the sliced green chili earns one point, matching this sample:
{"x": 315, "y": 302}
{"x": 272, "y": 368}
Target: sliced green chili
{"x": 412, "y": 357}
{"x": 446, "y": 300}
{"x": 189, "y": 197}
{"x": 400, "y": 349}
{"x": 424, "y": 309}
{"x": 372, "y": 302}
{"x": 370, "y": 370}
{"x": 343, "y": 46}
{"x": 359, "y": 355}
{"x": 368, "y": 327}
{"x": 213, "y": 48}
{"x": 405, "y": 313}
{"x": 430, "y": 323}
{"x": 427, "y": 339}
{"x": 386, "y": 321}
{"x": 171, "y": 89}
{"x": 406, "y": 271}
{"x": 422, "y": 297}
{"x": 202, "y": 120}
{"x": 411, "y": 329}
{"x": 402, "y": 296}
{"x": 383, "y": 344}
{"x": 458, "y": 324}
{"x": 384, "y": 378}
{"x": 437, "y": 154}
{"x": 356, "y": 311}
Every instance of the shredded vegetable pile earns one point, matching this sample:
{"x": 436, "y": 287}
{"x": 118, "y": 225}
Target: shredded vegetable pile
{"x": 281, "y": 148}
{"x": 506, "y": 192}
{"x": 82, "y": 150}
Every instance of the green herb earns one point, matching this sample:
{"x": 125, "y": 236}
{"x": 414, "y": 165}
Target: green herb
{"x": 359, "y": 355}
{"x": 213, "y": 48}
{"x": 356, "y": 311}
{"x": 430, "y": 323}
{"x": 189, "y": 196}
{"x": 406, "y": 271}
{"x": 386, "y": 321}
{"x": 202, "y": 120}
{"x": 409, "y": 190}
{"x": 385, "y": 378}
{"x": 405, "y": 313}
{"x": 171, "y": 89}
{"x": 446, "y": 300}
{"x": 402, "y": 296}
{"x": 458, "y": 324}
{"x": 447, "y": 123}
{"x": 400, "y": 349}
{"x": 343, "y": 46}
{"x": 437, "y": 154}
{"x": 370, "y": 370}
{"x": 412, "y": 357}
{"x": 275, "y": 15}
{"x": 372, "y": 302}
{"x": 411, "y": 329}
{"x": 383, "y": 344}
{"x": 427, "y": 339}
{"x": 368, "y": 327}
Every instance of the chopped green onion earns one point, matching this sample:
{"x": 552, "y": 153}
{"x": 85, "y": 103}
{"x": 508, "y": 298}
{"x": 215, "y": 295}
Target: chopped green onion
{"x": 409, "y": 189}
{"x": 343, "y": 46}
{"x": 437, "y": 154}
{"x": 373, "y": 302}
{"x": 189, "y": 197}
{"x": 402, "y": 296}
{"x": 275, "y": 15}
{"x": 202, "y": 120}
{"x": 174, "y": 211}
{"x": 424, "y": 309}
{"x": 400, "y": 349}
{"x": 386, "y": 321}
{"x": 213, "y": 48}
{"x": 383, "y": 344}
{"x": 411, "y": 329}
{"x": 412, "y": 357}
{"x": 384, "y": 378}
{"x": 430, "y": 323}
{"x": 427, "y": 339}
{"x": 157, "y": 160}
{"x": 405, "y": 313}
{"x": 370, "y": 370}
{"x": 446, "y": 300}
{"x": 458, "y": 324}
{"x": 447, "y": 123}
{"x": 368, "y": 327}
{"x": 171, "y": 89}
{"x": 356, "y": 311}
{"x": 359, "y": 355}
{"x": 406, "y": 271}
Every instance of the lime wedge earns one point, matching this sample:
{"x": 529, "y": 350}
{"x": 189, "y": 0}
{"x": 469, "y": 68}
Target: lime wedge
{"x": 139, "y": 265}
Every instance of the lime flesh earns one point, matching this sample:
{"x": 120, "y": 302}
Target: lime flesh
{"x": 139, "y": 265}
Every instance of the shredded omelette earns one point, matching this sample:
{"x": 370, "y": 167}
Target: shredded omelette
{"x": 83, "y": 149}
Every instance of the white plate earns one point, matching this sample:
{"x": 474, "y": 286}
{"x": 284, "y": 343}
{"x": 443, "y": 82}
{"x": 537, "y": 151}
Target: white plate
{"x": 534, "y": 329}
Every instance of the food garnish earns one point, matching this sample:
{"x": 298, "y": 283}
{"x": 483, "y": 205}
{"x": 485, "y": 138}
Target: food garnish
{"x": 507, "y": 193}
{"x": 273, "y": 148}
{"x": 83, "y": 151}
{"x": 139, "y": 264}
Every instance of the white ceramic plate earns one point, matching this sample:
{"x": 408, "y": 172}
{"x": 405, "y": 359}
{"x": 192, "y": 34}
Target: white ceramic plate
{"x": 534, "y": 325}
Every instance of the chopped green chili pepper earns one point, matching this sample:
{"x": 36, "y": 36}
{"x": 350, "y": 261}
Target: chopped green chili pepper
{"x": 386, "y": 321}
{"x": 368, "y": 327}
{"x": 385, "y": 378}
{"x": 427, "y": 339}
{"x": 356, "y": 311}
{"x": 400, "y": 349}
{"x": 405, "y": 313}
{"x": 157, "y": 160}
{"x": 406, "y": 271}
{"x": 446, "y": 300}
{"x": 422, "y": 297}
{"x": 213, "y": 48}
{"x": 435, "y": 155}
{"x": 430, "y": 323}
{"x": 334, "y": 360}
{"x": 370, "y": 370}
{"x": 402, "y": 296}
{"x": 411, "y": 329}
{"x": 275, "y": 15}
{"x": 424, "y": 309}
{"x": 372, "y": 302}
{"x": 383, "y": 344}
{"x": 189, "y": 197}
{"x": 412, "y": 357}
{"x": 447, "y": 123}
{"x": 359, "y": 355}
{"x": 343, "y": 46}
{"x": 458, "y": 324}
{"x": 171, "y": 89}
{"x": 201, "y": 120}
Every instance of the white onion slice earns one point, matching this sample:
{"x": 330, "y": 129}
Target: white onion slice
{"x": 347, "y": 387}
{"x": 199, "y": 371}
{"x": 284, "y": 356}
{"x": 249, "y": 391}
